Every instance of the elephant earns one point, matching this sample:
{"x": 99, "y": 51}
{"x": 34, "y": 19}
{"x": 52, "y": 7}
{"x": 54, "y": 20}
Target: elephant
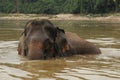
{"x": 70, "y": 43}
{"x": 37, "y": 40}
{"x": 43, "y": 40}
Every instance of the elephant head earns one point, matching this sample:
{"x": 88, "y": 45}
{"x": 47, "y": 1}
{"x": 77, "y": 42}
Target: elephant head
{"x": 38, "y": 39}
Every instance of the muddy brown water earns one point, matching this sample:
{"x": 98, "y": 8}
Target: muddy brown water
{"x": 102, "y": 67}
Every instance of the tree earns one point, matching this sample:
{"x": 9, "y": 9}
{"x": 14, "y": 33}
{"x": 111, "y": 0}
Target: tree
{"x": 59, "y": 6}
{"x": 17, "y": 6}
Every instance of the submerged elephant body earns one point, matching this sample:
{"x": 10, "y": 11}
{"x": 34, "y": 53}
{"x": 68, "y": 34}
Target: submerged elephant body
{"x": 80, "y": 46}
{"x": 42, "y": 40}
{"x": 70, "y": 43}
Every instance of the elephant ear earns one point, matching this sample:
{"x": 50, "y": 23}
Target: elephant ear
{"x": 52, "y": 32}
{"x": 60, "y": 30}
{"x": 26, "y": 28}
{"x": 24, "y": 33}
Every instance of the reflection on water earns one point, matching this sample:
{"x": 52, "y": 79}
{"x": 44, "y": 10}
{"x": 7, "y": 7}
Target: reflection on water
{"x": 87, "y": 74}
{"x": 101, "y": 67}
{"x": 8, "y": 72}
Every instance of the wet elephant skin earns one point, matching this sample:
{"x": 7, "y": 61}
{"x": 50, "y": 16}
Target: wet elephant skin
{"x": 70, "y": 43}
{"x": 42, "y": 40}
{"x": 37, "y": 40}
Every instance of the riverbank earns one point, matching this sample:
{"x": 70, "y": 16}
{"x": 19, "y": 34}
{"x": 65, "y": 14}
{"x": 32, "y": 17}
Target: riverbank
{"x": 114, "y": 18}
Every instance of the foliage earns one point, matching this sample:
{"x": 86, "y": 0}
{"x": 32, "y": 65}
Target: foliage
{"x": 60, "y": 6}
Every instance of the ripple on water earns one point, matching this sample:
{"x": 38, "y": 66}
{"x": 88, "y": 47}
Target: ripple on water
{"x": 103, "y": 67}
{"x": 105, "y": 41}
{"x": 87, "y": 74}
{"x": 12, "y": 73}
{"x": 8, "y": 52}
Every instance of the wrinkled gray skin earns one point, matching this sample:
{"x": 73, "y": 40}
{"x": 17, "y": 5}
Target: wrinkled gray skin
{"x": 37, "y": 40}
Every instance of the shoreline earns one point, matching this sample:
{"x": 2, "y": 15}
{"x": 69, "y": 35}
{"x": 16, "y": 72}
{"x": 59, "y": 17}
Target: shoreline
{"x": 113, "y": 18}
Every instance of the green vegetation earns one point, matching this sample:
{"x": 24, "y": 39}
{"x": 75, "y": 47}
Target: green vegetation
{"x": 60, "y": 6}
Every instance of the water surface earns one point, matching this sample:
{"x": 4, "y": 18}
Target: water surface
{"x": 102, "y": 67}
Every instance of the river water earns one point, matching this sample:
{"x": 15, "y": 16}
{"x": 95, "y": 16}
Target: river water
{"x": 101, "y": 67}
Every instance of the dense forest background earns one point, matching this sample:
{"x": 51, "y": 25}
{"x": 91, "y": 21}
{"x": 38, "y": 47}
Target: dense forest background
{"x": 59, "y": 6}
